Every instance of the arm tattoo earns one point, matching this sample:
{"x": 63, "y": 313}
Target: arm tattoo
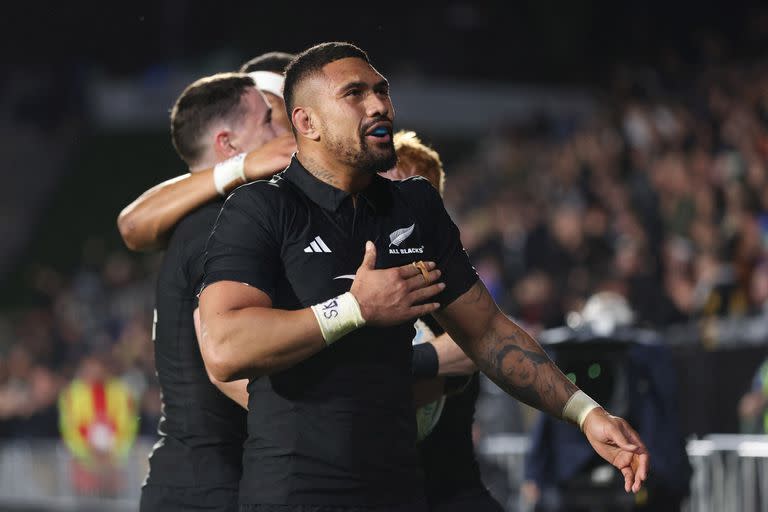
{"x": 516, "y": 362}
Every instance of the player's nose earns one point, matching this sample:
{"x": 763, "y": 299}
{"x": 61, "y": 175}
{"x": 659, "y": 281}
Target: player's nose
{"x": 377, "y": 106}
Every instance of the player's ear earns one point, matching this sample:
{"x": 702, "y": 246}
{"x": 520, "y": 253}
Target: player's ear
{"x": 224, "y": 145}
{"x": 303, "y": 121}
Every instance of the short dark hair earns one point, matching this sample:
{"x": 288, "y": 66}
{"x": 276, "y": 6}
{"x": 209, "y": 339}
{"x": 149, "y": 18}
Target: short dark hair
{"x": 270, "y": 61}
{"x": 203, "y": 102}
{"x": 311, "y": 61}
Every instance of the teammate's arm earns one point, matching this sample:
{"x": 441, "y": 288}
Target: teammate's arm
{"x": 243, "y": 336}
{"x": 517, "y": 363}
{"x": 237, "y": 391}
{"x": 452, "y": 361}
{"x": 146, "y": 223}
{"x": 449, "y": 361}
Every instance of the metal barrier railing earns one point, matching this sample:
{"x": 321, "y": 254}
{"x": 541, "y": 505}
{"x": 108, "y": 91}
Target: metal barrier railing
{"x": 730, "y": 472}
{"x": 508, "y": 452}
{"x": 42, "y": 475}
{"x": 730, "y": 475}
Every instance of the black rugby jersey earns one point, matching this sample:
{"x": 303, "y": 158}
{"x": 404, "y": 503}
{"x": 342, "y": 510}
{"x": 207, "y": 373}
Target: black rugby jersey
{"x": 201, "y": 430}
{"x": 339, "y": 427}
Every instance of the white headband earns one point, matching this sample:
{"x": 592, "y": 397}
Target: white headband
{"x": 268, "y": 81}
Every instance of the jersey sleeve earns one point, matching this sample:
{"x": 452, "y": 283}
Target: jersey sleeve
{"x": 458, "y": 274}
{"x": 243, "y": 245}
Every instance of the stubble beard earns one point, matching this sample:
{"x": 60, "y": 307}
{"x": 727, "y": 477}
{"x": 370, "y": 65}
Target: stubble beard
{"x": 362, "y": 158}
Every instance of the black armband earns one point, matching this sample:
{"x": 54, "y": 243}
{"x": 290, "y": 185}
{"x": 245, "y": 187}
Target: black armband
{"x": 425, "y": 362}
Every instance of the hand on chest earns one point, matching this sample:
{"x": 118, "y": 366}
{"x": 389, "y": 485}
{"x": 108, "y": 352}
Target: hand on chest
{"x": 321, "y": 259}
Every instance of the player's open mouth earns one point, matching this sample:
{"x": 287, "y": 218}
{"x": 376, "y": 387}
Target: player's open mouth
{"x": 380, "y": 132}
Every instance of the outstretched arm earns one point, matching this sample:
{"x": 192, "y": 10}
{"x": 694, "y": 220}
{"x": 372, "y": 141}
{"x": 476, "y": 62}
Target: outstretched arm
{"x": 517, "y": 363}
{"x": 505, "y": 352}
{"x": 146, "y": 223}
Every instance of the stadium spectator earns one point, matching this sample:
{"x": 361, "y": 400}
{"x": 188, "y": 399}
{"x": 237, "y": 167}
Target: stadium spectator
{"x": 753, "y": 406}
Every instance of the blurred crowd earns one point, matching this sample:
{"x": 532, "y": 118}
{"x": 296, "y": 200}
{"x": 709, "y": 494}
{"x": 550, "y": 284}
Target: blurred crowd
{"x": 660, "y": 196}
{"x": 93, "y": 325}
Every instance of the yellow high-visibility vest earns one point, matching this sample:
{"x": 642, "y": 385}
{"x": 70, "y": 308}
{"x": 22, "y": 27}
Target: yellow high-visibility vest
{"x": 97, "y": 417}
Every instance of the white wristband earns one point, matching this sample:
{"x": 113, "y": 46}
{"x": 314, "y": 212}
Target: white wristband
{"x": 228, "y": 172}
{"x": 577, "y": 407}
{"x": 338, "y": 316}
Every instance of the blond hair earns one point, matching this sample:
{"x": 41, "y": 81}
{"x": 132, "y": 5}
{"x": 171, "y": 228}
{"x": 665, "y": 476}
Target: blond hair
{"x": 419, "y": 159}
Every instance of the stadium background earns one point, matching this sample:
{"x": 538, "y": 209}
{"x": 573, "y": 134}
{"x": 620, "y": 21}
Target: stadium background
{"x": 588, "y": 146}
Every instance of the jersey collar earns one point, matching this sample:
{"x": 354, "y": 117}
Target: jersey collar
{"x": 330, "y": 198}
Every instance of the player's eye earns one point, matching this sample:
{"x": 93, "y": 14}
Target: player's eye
{"x": 353, "y": 92}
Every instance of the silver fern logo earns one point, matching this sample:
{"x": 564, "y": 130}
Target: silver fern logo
{"x": 397, "y": 237}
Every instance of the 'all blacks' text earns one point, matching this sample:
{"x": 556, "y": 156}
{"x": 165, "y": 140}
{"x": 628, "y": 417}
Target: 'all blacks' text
{"x": 410, "y": 250}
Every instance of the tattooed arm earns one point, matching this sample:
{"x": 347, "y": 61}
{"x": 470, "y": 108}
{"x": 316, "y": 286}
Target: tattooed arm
{"x": 517, "y": 363}
{"x": 505, "y": 352}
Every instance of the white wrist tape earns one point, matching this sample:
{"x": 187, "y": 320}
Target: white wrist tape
{"x": 338, "y": 316}
{"x": 229, "y": 172}
{"x": 577, "y": 407}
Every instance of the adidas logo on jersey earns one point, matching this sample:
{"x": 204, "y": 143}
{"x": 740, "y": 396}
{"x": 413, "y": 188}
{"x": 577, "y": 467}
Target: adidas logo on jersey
{"x": 317, "y": 245}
